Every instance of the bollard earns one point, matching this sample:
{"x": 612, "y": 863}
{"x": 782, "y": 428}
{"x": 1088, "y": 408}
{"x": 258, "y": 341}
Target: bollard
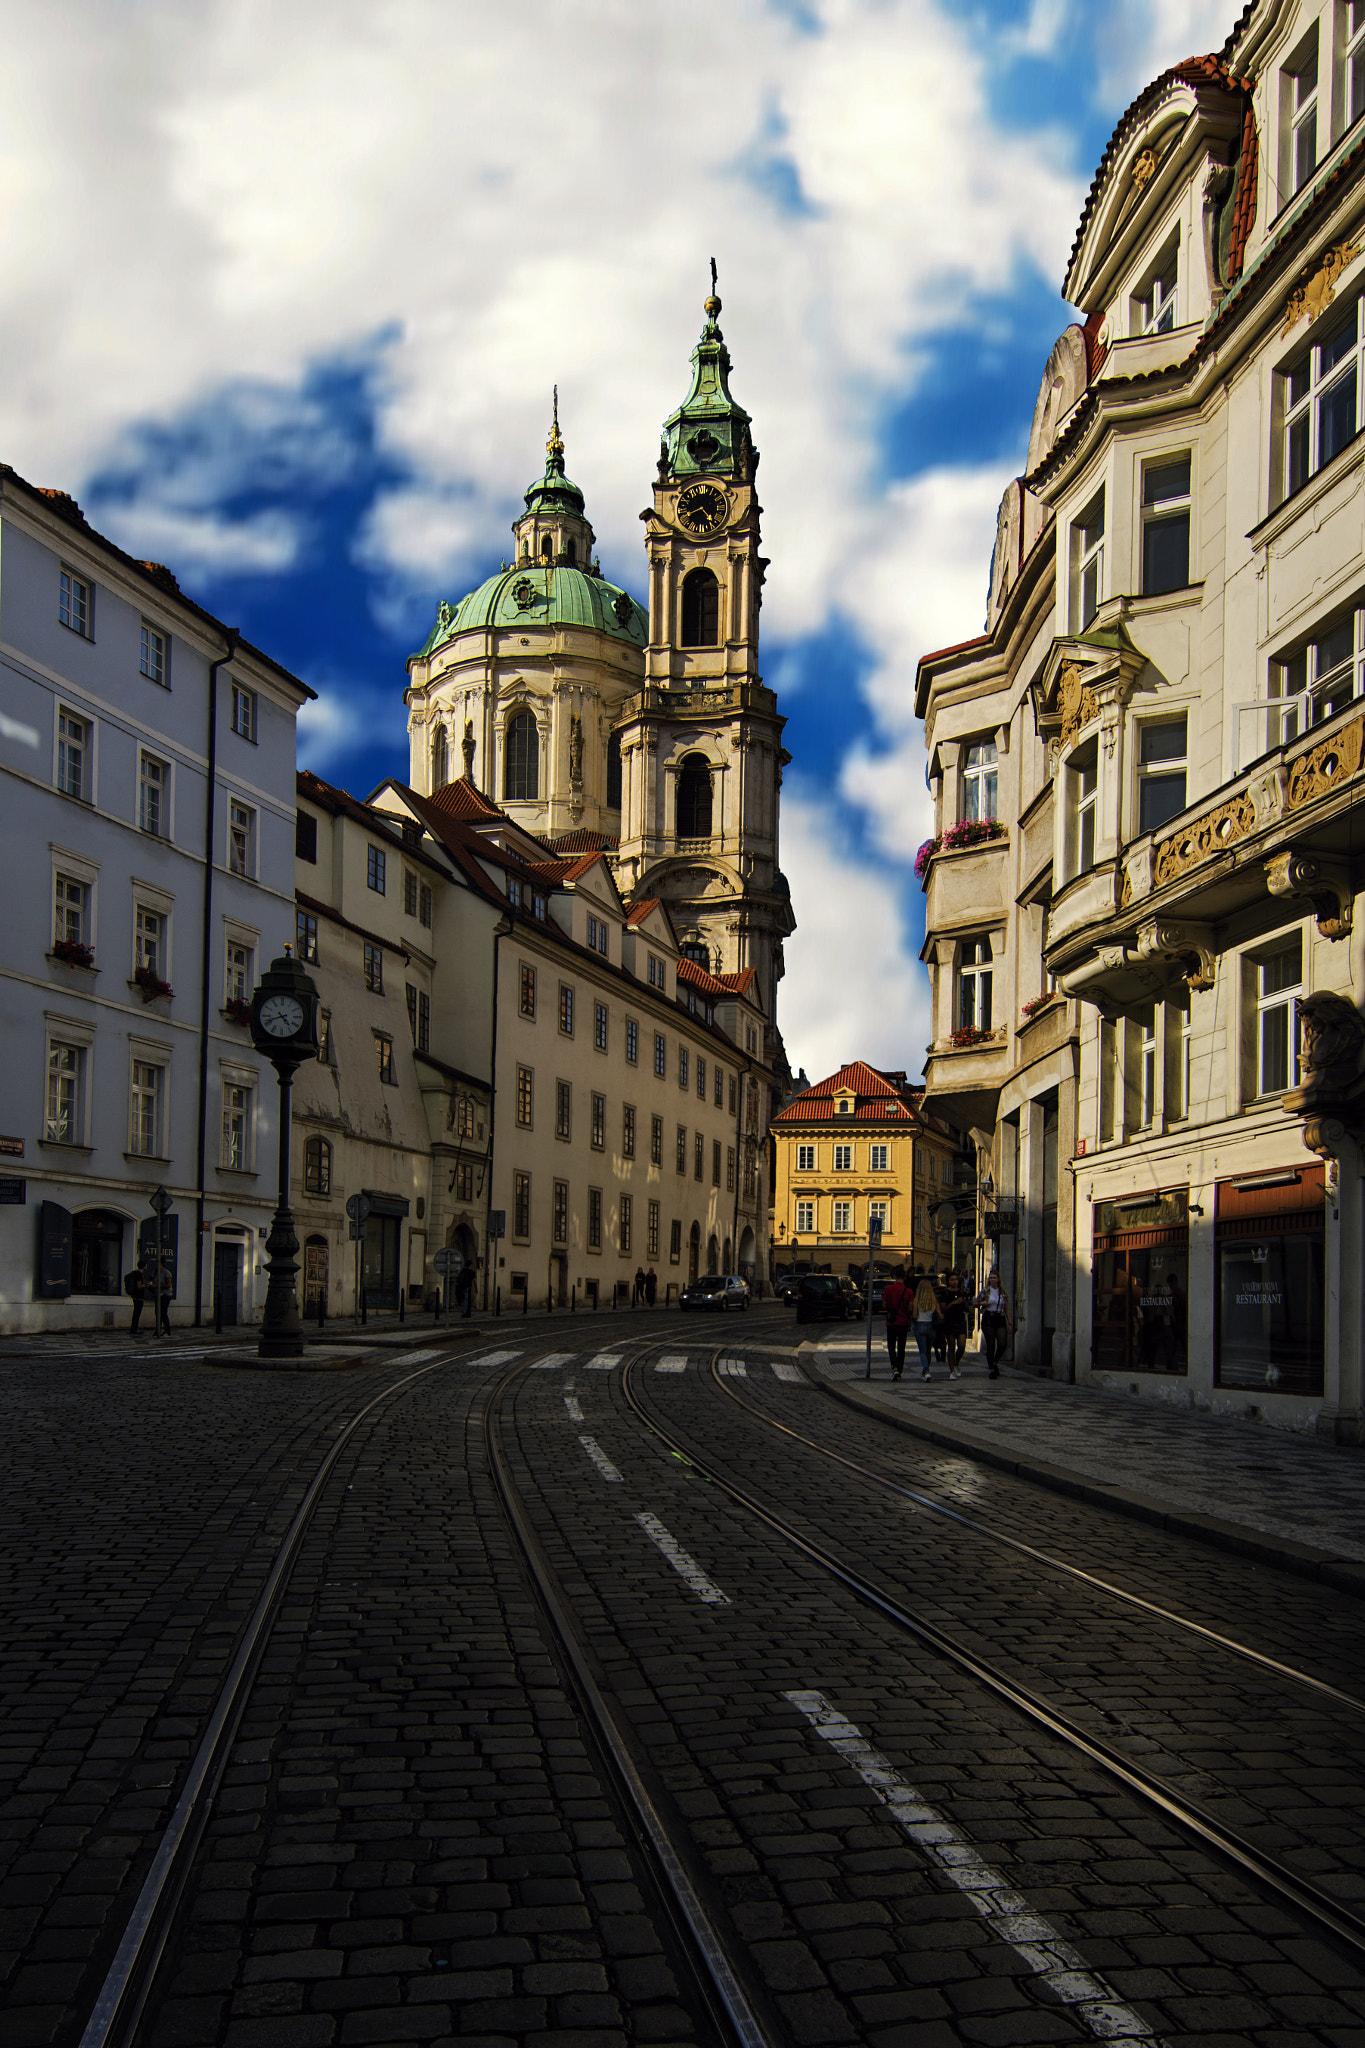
{"x": 573, "y": 1299}
{"x": 497, "y": 1299}
{"x": 217, "y": 1311}
{"x": 525, "y": 1298}
{"x": 363, "y": 1300}
{"x": 402, "y": 1304}
{"x": 322, "y": 1310}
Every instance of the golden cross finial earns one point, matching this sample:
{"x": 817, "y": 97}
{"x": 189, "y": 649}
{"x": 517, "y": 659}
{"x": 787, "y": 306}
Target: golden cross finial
{"x": 554, "y": 447}
{"x": 713, "y": 303}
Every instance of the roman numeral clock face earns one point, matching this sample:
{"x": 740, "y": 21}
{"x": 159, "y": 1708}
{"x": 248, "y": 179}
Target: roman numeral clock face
{"x": 702, "y": 508}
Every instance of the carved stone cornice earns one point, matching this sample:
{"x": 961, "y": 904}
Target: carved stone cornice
{"x": 1185, "y": 950}
{"x": 1325, "y": 884}
{"x": 1214, "y": 833}
{"x": 1331, "y": 1093}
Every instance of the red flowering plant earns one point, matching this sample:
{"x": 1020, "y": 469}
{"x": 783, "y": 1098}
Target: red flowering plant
{"x": 969, "y": 1034}
{"x": 74, "y": 952}
{"x": 967, "y": 832}
{"x": 149, "y": 981}
{"x": 1036, "y": 1003}
{"x": 237, "y": 1010}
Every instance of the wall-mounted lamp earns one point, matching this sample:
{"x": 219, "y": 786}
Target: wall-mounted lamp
{"x": 1195, "y": 1209}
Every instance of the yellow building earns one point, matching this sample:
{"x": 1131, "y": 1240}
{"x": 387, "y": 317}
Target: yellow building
{"x": 852, "y": 1147}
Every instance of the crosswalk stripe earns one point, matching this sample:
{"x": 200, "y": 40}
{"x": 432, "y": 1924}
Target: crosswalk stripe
{"x": 671, "y": 1364}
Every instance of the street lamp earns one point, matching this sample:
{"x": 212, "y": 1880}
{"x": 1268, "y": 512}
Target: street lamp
{"x": 284, "y": 1029}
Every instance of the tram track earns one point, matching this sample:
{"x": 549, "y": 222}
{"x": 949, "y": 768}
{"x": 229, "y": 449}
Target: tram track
{"x": 1327, "y": 1916}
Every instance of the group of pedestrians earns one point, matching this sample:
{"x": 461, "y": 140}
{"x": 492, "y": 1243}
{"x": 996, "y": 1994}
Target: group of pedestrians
{"x": 938, "y": 1314}
{"x": 644, "y": 1287}
{"x": 144, "y": 1286}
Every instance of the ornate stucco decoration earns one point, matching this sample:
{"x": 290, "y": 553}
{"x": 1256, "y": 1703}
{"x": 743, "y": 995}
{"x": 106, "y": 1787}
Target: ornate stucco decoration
{"x": 1331, "y": 762}
{"x": 1077, "y": 702}
{"x": 1306, "y": 301}
{"x": 1326, "y": 886}
{"x": 1062, "y": 388}
{"x": 1211, "y": 835}
{"x": 1144, "y": 170}
{"x": 1185, "y": 947}
{"x": 1329, "y": 1096}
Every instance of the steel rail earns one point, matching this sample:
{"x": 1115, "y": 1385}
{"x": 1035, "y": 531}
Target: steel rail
{"x": 1297, "y": 1893}
{"x": 726, "y": 2001}
{"x": 128, "y": 1980}
{"x": 1290, "y": 1672}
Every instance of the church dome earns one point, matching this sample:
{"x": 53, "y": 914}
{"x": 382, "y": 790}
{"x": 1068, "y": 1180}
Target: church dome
{"x": 542, "y": 594}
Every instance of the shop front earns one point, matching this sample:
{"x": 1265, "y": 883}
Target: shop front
{"x": 1140, "y": 1284}
{"x": 1271, "y": 1250}
{"x": 380, "y": 1264}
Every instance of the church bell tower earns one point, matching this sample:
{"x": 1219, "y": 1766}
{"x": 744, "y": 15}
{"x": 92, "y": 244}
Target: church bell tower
{"x": 701, "y": 746}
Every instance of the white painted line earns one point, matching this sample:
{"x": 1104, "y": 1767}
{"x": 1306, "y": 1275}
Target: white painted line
{"x": 734, "y": 1369}
{"x": 575, "y": 1412}
{"x": 495, "y": 1358}
{"x": 415, "y": 1357}
{"x": 671, "y": 1364}
{"x": 791, "y": 1373}
{"x": 553, "y": 1362}
{"x": 686, "y": 1567}
{"x": 1005, "y": 1911}
{"x": 599, "y": 1457}
{"x": 604, "y": 1361}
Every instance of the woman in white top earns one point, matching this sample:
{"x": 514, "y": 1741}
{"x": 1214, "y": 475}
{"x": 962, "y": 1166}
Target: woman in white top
{"x": 996, "y": 1320}
{"x": 924, "y": 1314}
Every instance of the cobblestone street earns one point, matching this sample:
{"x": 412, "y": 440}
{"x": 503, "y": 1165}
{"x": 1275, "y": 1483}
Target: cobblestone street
{"x": 561, "y": 1575}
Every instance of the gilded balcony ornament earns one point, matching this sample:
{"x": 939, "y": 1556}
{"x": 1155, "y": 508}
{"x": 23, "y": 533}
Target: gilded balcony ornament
{"x": 1321, "y": 882}
{"x": 1201, "y": 841}
{"x": 1144, "y": 170}
{"x": 1125, "y": 890}
{"x": 1330, "y": 762}
{"x": 1306, "y": 301}
{"x": 1078, "y": 704}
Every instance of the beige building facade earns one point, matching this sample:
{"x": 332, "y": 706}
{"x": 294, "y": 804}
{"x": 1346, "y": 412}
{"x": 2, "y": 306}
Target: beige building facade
{"x": 1143, "y": 883}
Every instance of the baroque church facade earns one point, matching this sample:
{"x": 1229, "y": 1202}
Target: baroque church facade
{"x": 646, "y": 732}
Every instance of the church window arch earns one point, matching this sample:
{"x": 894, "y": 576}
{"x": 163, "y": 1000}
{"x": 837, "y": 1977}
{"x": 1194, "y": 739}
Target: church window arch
{"x": 700, "y": 609}
{"x": 694, "y": 797}
{"x": 521, "y": 758}
{"x": 440, "y": 759}
{"x": 571, "y": 551}
{"x": 547, "y": 549}
{"x": 614, "y": 772}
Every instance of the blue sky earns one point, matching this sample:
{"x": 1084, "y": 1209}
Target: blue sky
{"x": 332, "y": 277}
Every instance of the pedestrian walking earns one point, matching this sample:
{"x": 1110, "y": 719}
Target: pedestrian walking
{"x": 954, "y": 1308}
{"x": 135, "y": 1287}
{"x": 651, "y": 1286}
{"x": 997, "y": 1322}
{"x": 160, "y": 1282}
{"x": 638, "y": 1290}
{"x": 896, "y": 1299}
{"x": 926, "y": 1318}
{"x": 940, "y": 1328}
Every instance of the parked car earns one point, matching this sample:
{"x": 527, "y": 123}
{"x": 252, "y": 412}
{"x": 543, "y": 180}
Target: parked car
{"x": 828, "y": 1297}
{"x": 715, "y": 1291}
{"x": 788, "y": 1286}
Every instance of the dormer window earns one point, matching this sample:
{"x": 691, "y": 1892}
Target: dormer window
{"x": 1154, "y": 302}
{"x": 843, "y": 1107}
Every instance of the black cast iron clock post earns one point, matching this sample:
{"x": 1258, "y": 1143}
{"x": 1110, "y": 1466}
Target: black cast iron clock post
{"x": 284, "y": 1028}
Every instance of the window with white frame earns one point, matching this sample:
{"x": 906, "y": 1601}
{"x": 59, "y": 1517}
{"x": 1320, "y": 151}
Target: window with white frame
{"x": 153, "y": 796}
{"x": 1353, "y": 60}
{"x": 656, "y": 971}
{"x": 1182, "y": 1055}
{"x": 843, "y": 1217}
{"x": 1300, "y": 101}
{"x": 1155, "y": 300}
{"x": 1087, "y": 563}
{"x": 1161, "y": 771}
{"x": 240, "y": 978}
{"x": 1322, "y": 678}
{"x": 1083, "y": 787}
{"x": 879, "y": 1211}
{"x": 805, "y": 1158}
{"x": 73, "y": 603}
{"x": 65, "y": 1120}
{"x": 975, "y": 976}
{"x": 149, "y": 941}
{"x": 73, "y": 755}
{"x": 1320, "y": 397}
{"x": 1146, "y": 1048}
{"x": 152, "y": 654}
{"x": 241, "y": 838}
{"x": 1278, "y": 979}
{"x": 805, "y": 1216}
{"x": 843, "y": 1159}
{"x": 237, "y": 1106}
{"x": 1165, "y": 525}
{"x": 243, "y": 712}
{"x": 877, "y": 1156}
{"x": 980, "y": 780}
{"x": 145, "y": 1118}
{"x": 71, "y": 911}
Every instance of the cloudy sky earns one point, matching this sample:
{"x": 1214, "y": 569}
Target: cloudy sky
{"x": 284, "y": 288}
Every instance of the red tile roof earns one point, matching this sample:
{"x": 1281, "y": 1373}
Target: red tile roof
{"x": 583, "y": 841}
{"x": 700, "y": 977}
{"x": 638, "y": 912}
{"x": 739, "y": 983}
{"x": 462, "y": 800}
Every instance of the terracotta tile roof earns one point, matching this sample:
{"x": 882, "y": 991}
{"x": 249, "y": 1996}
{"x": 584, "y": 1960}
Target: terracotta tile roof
{"x": 857, "y": 1078}
{"x": 958, "y": 647}
{"x": 701, "y": 978}
{"x": 741, "y": 983}
{"x": 462, "y": 800}
{"x": 1244, "y": 205}
{"x": 583, "y": 841}
{"x": 638, "y": 912}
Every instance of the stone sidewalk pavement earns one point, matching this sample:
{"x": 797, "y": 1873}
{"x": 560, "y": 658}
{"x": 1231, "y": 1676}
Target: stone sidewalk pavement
{"x": 1285, "y": 1498}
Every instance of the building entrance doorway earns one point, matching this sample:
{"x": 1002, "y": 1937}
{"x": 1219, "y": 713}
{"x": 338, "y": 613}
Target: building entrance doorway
{"x": 559, "y": 1278}
{"x": 96, "y": 1252}
{"x": 314, "y": 1273}
{"x": 694, "y": 1253}
{"x": 227, "y": 1279}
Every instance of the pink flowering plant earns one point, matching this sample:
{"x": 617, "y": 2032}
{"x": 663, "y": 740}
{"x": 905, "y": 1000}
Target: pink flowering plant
{"x": 967, "y": 832}
{"x": 1035, "y": 1004}
{"x": 969, "y": 1034}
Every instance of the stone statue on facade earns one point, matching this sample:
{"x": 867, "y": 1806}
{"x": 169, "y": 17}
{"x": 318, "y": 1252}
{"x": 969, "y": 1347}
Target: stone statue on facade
{"x": 467, "y": 749}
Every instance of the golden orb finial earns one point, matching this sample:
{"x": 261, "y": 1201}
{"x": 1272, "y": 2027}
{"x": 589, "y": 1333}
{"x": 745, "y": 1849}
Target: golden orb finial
{"x": 554, "y": 447}
{"x": 712, "y": 305}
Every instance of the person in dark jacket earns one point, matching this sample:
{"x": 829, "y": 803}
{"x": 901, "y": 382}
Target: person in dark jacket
{"x": 651, "y": 1286}
{"x": 135, "y": 1287}
{"x": 896, "y": 1300}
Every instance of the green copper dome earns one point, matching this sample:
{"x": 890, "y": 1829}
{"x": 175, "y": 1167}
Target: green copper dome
{"x": 709, "y": 433}
{"x": 541, "y": 594}
{"x": 555, "y": 492}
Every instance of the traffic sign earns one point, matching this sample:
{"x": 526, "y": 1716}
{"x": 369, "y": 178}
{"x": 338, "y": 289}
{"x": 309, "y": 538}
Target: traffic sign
{"x": 497, "y": 1223}
{"x": 357, "y": 1208}
{"x": 945, "y": 1215}
{"x": 449, "y": 1259}
{"x": 874, "y": 1233}
{"x": 160, "y": 1201}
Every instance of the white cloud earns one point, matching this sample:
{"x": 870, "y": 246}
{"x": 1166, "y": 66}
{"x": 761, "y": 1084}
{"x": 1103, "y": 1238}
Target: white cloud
{"x": 331, "y": 724}
{"x": 1137, "y": 43}
{"x": 203, "y": 545}
{"x": 853, "y": 989}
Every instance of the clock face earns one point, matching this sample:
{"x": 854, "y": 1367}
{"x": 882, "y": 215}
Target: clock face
{"x": 281, "y": 1016}
{"x": 702, "y": 507}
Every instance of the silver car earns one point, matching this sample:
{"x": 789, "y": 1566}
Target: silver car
{"x": 715, "y": 1290}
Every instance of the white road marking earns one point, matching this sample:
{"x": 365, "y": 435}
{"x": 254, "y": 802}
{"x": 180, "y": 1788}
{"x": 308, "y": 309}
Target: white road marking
{"x": 604, "y": 1361}
{"x": 599, "y": 1457}
{"x": 495, "y": 1358}
{"x": 791, "y": 1373}
{"x": 686, "y": 1567}
{"x": 734, "y": 1368}
{"x": 415, "y": 1357}
{"x": 575, "y": 1412}
{"x": 1005, "y": 1911}
{"x": 672, "y": 1363}
{"x": 555, "y": 1359}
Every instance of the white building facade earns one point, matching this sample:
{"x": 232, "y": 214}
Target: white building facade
{"x": 1144, "y": 880}
{"x": 147, "y": 759}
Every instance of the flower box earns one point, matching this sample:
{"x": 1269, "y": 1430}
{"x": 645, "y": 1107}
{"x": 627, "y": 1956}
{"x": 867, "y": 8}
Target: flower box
{"x": 967, "y": 832}
{"x": 969, "y": 1034}
{"x": 1037, "y": 1003}
{"x": 150, "y": 985}
{"x": 237, "y": 1010}
{"x": 72, "y": 953}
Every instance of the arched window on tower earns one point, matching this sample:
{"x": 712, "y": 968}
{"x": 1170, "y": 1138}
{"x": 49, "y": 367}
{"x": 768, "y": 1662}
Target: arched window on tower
{"x": 571, "y": 551}
{"x": 547, "y": 549}
{"x": 521, "y": 758}
{"x": 614, "y": 772}
{"x": 700, "y": 609}
{"x": 440, "y": 760}
{"x": 694, "y": 798}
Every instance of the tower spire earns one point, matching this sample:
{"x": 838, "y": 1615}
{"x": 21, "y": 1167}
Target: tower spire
{"x": 554, "y": 447}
